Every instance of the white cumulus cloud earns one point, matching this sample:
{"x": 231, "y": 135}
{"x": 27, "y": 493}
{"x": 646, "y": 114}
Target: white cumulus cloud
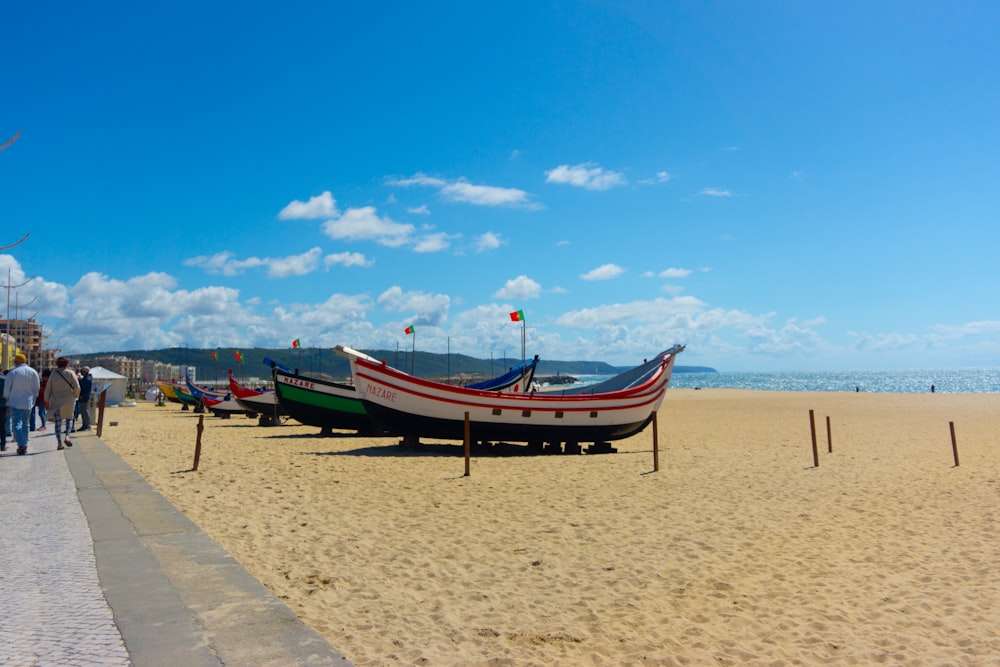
{"x": 586, "y": 175}
{"x": 604, "y": 272}
{"x": 347, "y": 259}
{"x": 489, "y": 241}
{"x": 521, "y": 287}
{"x": 361, "y": 224}
{"x": 320, "y": 206}
{"x": 461, "y": 190}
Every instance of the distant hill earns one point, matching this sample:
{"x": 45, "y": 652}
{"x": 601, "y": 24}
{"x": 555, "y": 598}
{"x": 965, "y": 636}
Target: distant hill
{"x": 324, "y": 360}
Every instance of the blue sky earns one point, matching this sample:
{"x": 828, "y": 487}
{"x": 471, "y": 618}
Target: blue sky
{"x": 779, "y": 185}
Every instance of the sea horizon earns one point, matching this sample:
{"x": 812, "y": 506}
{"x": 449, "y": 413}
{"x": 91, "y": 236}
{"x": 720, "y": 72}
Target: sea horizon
{"x": 908, "y": 381}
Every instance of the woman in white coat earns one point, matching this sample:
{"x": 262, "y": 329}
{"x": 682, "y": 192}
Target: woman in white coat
{"x": 60, "y": 399}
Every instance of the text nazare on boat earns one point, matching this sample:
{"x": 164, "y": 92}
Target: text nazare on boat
{"x": 298, "y": 383}
{"x": 381, "y": 392}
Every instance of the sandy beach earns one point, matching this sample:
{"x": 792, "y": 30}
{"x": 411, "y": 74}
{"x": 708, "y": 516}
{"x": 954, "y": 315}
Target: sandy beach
{"x": 737, "y": 551}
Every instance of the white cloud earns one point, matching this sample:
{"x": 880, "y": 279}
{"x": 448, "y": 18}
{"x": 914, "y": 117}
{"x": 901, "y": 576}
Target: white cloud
{"x": 419, "y": 210}
{"x": 364, "y": 224}
{"x": 280, "y": 267}
{"x": 427, "y": 309}
{"x": 675, "y": 273}
{"x": 489, "y": 241}
{"x": 144, "y": 311}
{"x": 484, "y": 195}
{"x": 791, "y": 338}
{"x": 604, "y": 272}
{"x": 716, "y": 192}
{"x": 347, "y": 259}
{"x": 320, "y": 206}
{"x": 660, "y": 177}
{"x": 461, "y": 190}
{"x": 417, "y": 179}
{"x": 434, "y": 242}
{"x": 294, "y": 265}
{"x": 586, "y": 175}
{"x": 521, "y": 287}
{"x": 222, "y": 263}
{"x": 657, "y": 310}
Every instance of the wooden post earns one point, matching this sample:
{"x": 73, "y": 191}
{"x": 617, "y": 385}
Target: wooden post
{"x": 656, "y": 445}
{"x": 812, "y": 428}
{"x": 197, "y": 444}
{"x": 468, "y": 445}
{"x": 829, "y": 438}
{"x": 954, "y": 443}
{"x": 100, "y": 413}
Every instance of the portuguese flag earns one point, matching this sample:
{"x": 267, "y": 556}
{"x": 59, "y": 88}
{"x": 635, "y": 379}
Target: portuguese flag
{"x": 295, "y": 343}
{"x": 517, "y": 316}
{"x": 409, "y": 330}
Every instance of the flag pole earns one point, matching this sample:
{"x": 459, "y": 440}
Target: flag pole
{"x": 523, "y": 359}
{"x": 413, "y": 350}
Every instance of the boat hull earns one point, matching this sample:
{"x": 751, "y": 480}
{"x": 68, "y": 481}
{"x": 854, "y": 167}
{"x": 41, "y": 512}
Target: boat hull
{"x": 168, "y": 390}
{"x": 316, "y": 402}
{"x": 528, "y": 431}
{"x": 262, "y": 404}
{"x": 418, "y": 408}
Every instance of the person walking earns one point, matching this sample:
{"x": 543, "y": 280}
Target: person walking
{"x": 21, "y": 389}
{"x": 83, "y": 401}
{"x": 40, "y": 402}
{"x": 3, "y": 413}
{"x": 60, "y": 400}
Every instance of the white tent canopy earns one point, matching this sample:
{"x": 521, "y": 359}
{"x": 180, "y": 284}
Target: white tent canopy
{"x": 118, "y": 385}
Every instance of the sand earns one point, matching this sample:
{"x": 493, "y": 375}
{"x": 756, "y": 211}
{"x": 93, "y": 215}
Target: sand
{"x": 737, "y": 551}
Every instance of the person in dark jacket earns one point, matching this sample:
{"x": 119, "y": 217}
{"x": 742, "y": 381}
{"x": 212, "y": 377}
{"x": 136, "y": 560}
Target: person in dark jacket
{"x": 40, "y": 401}
{"x": 83, "y": 401}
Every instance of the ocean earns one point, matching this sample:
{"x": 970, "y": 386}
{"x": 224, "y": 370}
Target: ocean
{"x": 945, "y": 381}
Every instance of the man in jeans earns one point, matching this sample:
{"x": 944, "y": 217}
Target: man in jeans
{"x": 20, "y": 388}
{"x": 3, "y": 413}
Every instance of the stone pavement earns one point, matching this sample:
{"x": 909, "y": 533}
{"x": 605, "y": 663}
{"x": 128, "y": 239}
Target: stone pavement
{"x": 97, "y": 568}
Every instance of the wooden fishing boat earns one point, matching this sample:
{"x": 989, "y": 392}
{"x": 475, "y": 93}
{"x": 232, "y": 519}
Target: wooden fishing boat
{"x": 225, "y": 408}
{"x": 168, "y": 388}
{"x": 316, "y": 401}
{"x": 413, "y": 407}
{"x": 264, "y": 403}
{"x": 204, "y": 394}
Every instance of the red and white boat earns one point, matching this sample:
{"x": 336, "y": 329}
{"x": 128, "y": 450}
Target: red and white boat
{"x": 611, "y": 410}
{"x": 263, "y": 402}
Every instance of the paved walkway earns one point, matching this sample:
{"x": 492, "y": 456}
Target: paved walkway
{"x": 97, "y": 568}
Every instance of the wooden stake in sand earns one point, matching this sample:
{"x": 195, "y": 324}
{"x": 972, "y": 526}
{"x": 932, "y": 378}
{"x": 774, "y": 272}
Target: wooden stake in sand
{"x": 197, "y": 444}
{"x": 812, "y": 429}
{"x": 656, "y": 445}
{"x": 100, "y": 413}
{"x": 954, "y": 443}
{"x": 468, "y": 444}
{"x": 829, "y": 438}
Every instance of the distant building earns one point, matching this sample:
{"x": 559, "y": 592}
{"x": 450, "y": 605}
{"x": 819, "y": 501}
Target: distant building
{"x": 27, "y": 337}
{"x": 142, "y": 370}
